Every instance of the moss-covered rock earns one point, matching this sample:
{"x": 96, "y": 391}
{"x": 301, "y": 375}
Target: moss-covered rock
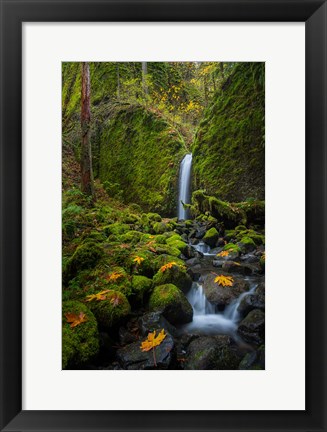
{"x": 229, "y": 147}
{"x": 130, "y": 140}
{"x": 172, "y": 303}
{"x": 176, "y": 275}
{"x": 86, "y": 256}
{"x": 247, "y": 244}
{"x": 111, "y": 311}
{"x": 211, "y": 237}
{"x": 116, "y": 229}
{"x": 141, "y": 286}
{"x": 159, "y": 227}
{"x": 80, "y": 344}
{"x": 232, "y": 247}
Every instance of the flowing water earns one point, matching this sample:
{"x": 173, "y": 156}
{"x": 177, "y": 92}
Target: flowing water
{"x": 184, "y": 193}
{"x": 206, "y": 321}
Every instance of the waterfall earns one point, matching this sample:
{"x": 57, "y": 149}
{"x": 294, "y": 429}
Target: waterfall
{"x": 206, "y": 320}
{"x": 184, "y": 192}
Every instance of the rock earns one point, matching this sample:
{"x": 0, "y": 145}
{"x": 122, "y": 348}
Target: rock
{"x": 250, "y": 258}
{"x": 172, "y": 303}
{"x": 133, "y": 358}
{"x": 212, "y": 352}
{"x": 200, "y": 232}
{"x": 108, "y": 313}
{"x": 260, "y": 289}
{"x": 175, "y": 275}
{"x": 192, "y": 261}
{"x": 247, "y": 244}
{"x": 218, "y": 262}
{"x": 80, "y": 344}
{"x": 211, "y": 237}
{"x": 141, "y": 286}
{"x": 251, "y": 302}
{"x": 154, "y": 321}
{"x": 223, "y": 296}
{"x": 195, "y": 272}
{"x": 252, "y": 328}
{"x": 248, "y": 360}
{"x": 235, "y": 267}
{"x": 125, "y": 336}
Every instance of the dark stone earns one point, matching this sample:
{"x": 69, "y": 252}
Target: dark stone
{"x": 235, "y": 267}
{"x": 260, "y": 289}
{"x": 250, "y": 258}
{"x": 212, "y": 352}
{"x": 154, "y": 321}
{"x": 251, "y": 302}
{"x": 248, "y": 361}
{"x": 125, "y": 336}
{"x": 252, "y": 328}
{"x": 192, "y": 261}
{"x": 200, "y": 232}
{"x": 133, "y": 358}
{"x": 222, "y": 296}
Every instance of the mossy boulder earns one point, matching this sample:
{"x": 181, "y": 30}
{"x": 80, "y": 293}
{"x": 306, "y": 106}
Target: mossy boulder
{"x": 211, "y": 237}
{"x": 164, "y": 259}
{"x": 176, "y": 275}
{"x": 112, "y": 311}
{"x": 80, "y": 344}
{"x": 159, "y": 227}
{"x": 212, "y": 352}
{"x": 86, "y": 256}
{"x": 116, "y": 229}
{"x": 172, "y": 303}
{"x": 246, "y": 244}
{"x": 232, "y": 247}
{"x": 141, "y": 286}
{"x": 131, "y": 237}
{"x": 154, "y": 217}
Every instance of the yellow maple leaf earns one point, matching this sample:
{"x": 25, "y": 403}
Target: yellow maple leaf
{"x": 224, "y": 280}
{"x": 98, "y": 296}
{"x": 138, "y": 260}
{"x": 75, "y": 319}
{"x": 153, "y": 341}
{"x": 168, "y": 266}
{"x": 112, "y": 277}
{"x": 223, "y": 254}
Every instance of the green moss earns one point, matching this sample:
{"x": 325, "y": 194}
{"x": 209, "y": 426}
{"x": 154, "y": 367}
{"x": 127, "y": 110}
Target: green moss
{"x": 229, "y": 147}
{"x": 116, "y": 229}
{"x": 159, "y": 227}
{"x": 175, "y": 275}
{"x": 81, "y": 343}
{"x": 154, "y": 217}
{"x": 172, "y": 303}
{"x": 109, "y": 314}
{"x": 131, "y": 237}
{"x": 141, "y": 286}
{"x": 164, "y": 259}
{"x": 247, "y": 244}
{"x": 232, "y": 247}
{"x": 86, "y": 256}
{"x": 130, "y": 140}
{"x": 211, "y": 237}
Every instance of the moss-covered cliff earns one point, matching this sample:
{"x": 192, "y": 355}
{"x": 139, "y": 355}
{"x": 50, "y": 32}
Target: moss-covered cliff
{"x": 139, "y": 155}
{"x": 229, "y": 147}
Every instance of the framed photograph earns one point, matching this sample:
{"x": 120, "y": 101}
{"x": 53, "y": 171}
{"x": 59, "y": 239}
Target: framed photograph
{"x": 163, "y": 215}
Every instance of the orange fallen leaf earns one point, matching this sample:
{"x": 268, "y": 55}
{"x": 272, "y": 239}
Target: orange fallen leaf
{"x": 168, "y": 266}
{"x": 75, "y": 319}
{"x": 223, "y": 254}
{"x": 98, "y": 296}
{"x": 112, "y": 277}
{"x": 224, "y": 280}
{"x": 152, "y": 341}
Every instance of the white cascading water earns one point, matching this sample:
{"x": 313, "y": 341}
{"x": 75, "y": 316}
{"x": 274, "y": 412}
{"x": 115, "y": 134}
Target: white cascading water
{"x": 184, "y": 191}
{"x": 206, "y": 321}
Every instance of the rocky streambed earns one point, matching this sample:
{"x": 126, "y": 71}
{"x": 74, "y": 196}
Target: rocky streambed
{"x": 207, "y": 325}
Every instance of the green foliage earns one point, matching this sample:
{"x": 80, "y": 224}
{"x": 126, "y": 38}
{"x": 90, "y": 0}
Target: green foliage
{"x": 141, "y": 152}
{"x": 228, "y": 151}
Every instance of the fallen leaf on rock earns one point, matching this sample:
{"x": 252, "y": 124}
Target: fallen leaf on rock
{"x": 75, "y": 319}
{"x": 223, "y": 254}
{"x": 224, "y": 280}
{"x": 153, "y": 341}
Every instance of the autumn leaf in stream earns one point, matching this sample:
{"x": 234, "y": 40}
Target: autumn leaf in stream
{"x": 224, "y": 280}
{"x": 75, "y": 319}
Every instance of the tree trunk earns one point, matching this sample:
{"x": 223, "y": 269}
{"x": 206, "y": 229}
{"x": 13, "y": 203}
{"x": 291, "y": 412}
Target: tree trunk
{"x": 86, "y": 153}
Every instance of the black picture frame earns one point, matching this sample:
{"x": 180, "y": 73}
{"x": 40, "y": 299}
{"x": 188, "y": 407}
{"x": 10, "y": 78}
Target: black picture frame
{"x": 13, "y": 14}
